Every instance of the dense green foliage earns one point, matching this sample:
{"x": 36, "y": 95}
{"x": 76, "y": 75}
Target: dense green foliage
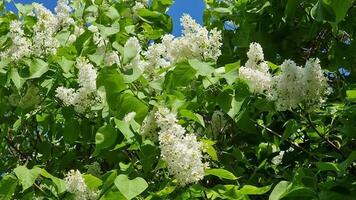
{"x": 242, "y": 133}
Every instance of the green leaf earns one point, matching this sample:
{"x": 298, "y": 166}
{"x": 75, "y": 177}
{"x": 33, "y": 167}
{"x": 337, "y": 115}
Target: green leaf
{"x": 113, "y": 195}
{"x": 331, "y": 10}
{"x": 279, "y": 190}
{"x": 8, "y": 185}
{"x": 209, "y": 148}
{"x": 350, "y": 159}
{"x": 291, "y": 8}
{"x": 66, "y": 64}
{"x": 126, "y": 103}
{"x": 130, "y": 188}
{"x": 161, "y": 5}
{"x": 327, "y": 166}
{"x": 133, "y": 74}
{"x": 60, "y": 184}
{"x": 148, "y": 154}
{"x": 113, "y": 82}
{"x": 182, "y": 75}
{"x": 291, "y": 127}
{"x": 223, "y": 10}
{"x": 16, "y": 79}
{"x": 104, "y": 138}
{"x": 124, "y": 128}
{"x": 92, "y": 182}
{"x": 37, "y": 67}
{"x": 27, "y": 177}
{"x": 286, "y": 189}
{"x": 202, "y": 68}
{"x": 130, "y": 52}
{"x": 161, "y": 20}
{"x": 253, "y": 190}
{"x": 351, "y": 95}
{"x": 221, "y": 173}
{"x": 71, "y": 130}
{"x": 108, "y": 31}
{"x": 192, "y": 116}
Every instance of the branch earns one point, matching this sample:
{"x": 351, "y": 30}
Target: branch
{"x": 295, "y": 145}
{"x": 324, "y": 138}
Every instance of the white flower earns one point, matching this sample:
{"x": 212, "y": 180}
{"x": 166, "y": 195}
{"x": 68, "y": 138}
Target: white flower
{"x": 255, "y": 72}
{"x": 63, "y": 11}
{"x": 66, "y": 95}
{"x": 196, "y": 42}
{"x": 47, "y": 24}
{"x": 257, "y": 81}
{"x": 255, "y": 52}
{"x": 21, "y": 46}
{"x": 316, "y": 83}
{"x": 75, "y": 184}
{"x": 181, "y": 151}
{"x": 112, "y": 58}
{"x": 294, "y": 85}
{"x": 87, "y": 74}
{"x": 86, "y": 96}
{"x": 288, "y": 87}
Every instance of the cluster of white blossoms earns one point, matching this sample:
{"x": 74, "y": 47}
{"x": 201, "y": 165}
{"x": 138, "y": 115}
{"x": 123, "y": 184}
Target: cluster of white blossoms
{"x": 297, "y": 85}
{"x": 85, "y": 97}
{"x": 292, "y": 86}
{"x": 43, "y": 41}
{"x": 181, "y": 151}
{"x": 21, "y": 45}
{"x": 63, "y": 11}
{"x": 196, "y": 42}
{"x": 75, "y": 184}
{"x": 47, "y": 24}
{"x": 255, "y": 72}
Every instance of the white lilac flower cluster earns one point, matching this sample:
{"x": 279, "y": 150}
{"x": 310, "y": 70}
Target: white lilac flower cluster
{"x": 293, "y": 86}
{"x": 44, "y": 30}
{"x": 63, "y": 11}
{"x": 255, "y": 72}
{"x": 43, "y": 41}
{"x": 196, "y": 42}
{"x": 21, "y": 45}
{"x": 181, "y": 151}
{"x": 75, "y": 184}
{"x": 85, "y": 97}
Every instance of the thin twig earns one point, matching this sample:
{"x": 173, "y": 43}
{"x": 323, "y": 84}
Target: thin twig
{"x": 295, "y": 145}
{"x": 323, "y": 137}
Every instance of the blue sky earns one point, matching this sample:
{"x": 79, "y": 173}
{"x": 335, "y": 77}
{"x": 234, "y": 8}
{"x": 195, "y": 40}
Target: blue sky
{"x": 193, "y": 7}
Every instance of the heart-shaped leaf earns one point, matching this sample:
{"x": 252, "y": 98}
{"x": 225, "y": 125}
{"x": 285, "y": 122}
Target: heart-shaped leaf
{"x": 130, "y": 188}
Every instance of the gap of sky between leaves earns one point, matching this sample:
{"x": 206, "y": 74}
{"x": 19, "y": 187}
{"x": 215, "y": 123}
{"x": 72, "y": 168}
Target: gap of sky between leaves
{"x": 194, "y": 8}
